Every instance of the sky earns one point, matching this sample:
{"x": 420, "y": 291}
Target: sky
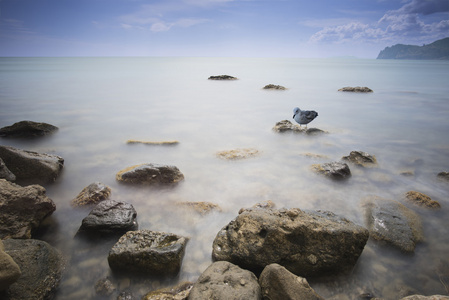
{"x": 217, "y": 28}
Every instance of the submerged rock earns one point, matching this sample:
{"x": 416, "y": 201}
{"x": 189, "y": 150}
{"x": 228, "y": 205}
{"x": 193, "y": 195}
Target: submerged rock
{"x": 5, "y": 173}
{"x": 178, "y": 292}
{"x": 361, "y": 158}
{"x": 224, "y": 280}
{"x": 313, "y": 243}
{"x": 334, "y": 170}
{"x": 105, "y": 287}
{"x": 222, "y": 77}
{"x": 27, "y": 129}
{"x": 356, "y": 89}
{"x": 274, "y": 87}
{"x": 158, "y": 143}
{"x": 422, "y": 200}
{"x": 22, "y": 209}
{"x": 9, "y": 270}
{"x": 201, "y": 207}
{"x": 421, "y": 297}
{"x": 236, "y": 154}
{"x": 150, "y": 174}
{"x": 443, "y": 175}
{"x": 92, "y": 194}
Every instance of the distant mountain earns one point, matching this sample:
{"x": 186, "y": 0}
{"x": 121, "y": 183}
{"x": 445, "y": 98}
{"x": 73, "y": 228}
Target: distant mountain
{"x": 436, "y": 50}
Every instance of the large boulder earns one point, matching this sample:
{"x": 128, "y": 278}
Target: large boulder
{"x": 30, "y": 166}
{"x": 9, "y": 270}
{"x": 150, "y": 252}
{"x": 277, "y": 283}
{"x": 312, "y": 243}
{"x": 150, "y": 174}
{"x": 27, "y": 129}
{"x": 5, "y": 173}
{"x": 109, "y": 218}
{"x": 92, "y": 194}
{"x": 42, "y": 269}
{"x": 335, "y": 170}
{"x": 393, "y": 223}
{"x": 361, "y": 158}
{"x": 224, "y": 280}
{"x": 22, "y": 209}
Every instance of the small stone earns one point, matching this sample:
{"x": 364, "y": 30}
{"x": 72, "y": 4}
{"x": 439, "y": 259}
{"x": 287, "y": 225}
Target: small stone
{"x": 105, "y": 287}
{"x": 222, "y": 77}
{"x": 238, "y": 153}
{"x": 361, "y": 158}
{"x": 443, "y": 175}
{"x": 334, "y": 170}
{"x": 274, "y": 87}
{"x": 356, "y": 89}
{"x": 422, "y": 200}
{"x": 201, "y": 207}
{"x": 92, "y": 194}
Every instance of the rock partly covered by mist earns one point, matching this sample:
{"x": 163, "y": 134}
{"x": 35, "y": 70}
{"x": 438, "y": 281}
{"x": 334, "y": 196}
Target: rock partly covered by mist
{"x": 443, "y": 176}
{"x": 222, "y": 77}
{"x": 92, "y": 194}
{"x": 148, "y": 252}
{"x": 22, "y": 209}
{"x": 420, "y": 199}
{"x": 27, "y": 129}
{"x": 391, "y": 222}
{"x": 357, "y": 89}
{"x": 5, "y": 173}
{"x": 201, "y": 207}
{"x": 274, "y": 87}
{"x": 150, "y": 174}
{"x": 236, "y": 154}
{"x": 335, "y": 170}
{"x": 306, "y": 243}
{"x": 286, "y": 125}
{"x": 30, "y": 166}
{"x": 361, "y": 158}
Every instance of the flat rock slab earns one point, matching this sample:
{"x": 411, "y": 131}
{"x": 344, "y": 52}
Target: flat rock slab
{"x": 393, "y": 223}
{"x": 224, "y": 280}
{"x": 31, "y": 166}
{"x": 150, "y": 252}
{"x": 335, "y": 170}
{"x": 236, "y": 154}
{"x": 92, "y": 194}
{"x": 22, "y": 209}
{"x": 306, "y": 243}
{"x": 150, "y": 174}
{"x": 27, "y": 129}
{"x": 361, "y": 158}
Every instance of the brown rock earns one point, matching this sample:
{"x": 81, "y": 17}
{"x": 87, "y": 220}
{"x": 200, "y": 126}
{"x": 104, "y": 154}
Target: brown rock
{"x": 92, "y": 194}
{"x": 422, "y": 200}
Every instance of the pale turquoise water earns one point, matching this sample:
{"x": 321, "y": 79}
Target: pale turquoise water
{"x": 100, "y": 103}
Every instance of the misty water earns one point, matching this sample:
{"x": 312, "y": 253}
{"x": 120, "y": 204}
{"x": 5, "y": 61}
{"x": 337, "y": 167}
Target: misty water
{"x": 100, "y": 103}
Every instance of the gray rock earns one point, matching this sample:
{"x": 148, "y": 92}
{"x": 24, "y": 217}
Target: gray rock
{"x": 22, "y": 209}
{"x": 306, "y": 243}
{"x": 30, "y": 166}
{"x": 361, "y": 158}
{"x": 274, "y": 87}
{"x": 105, "y": 287}
{"x": 222, "y": 77}
{"x": 92, "y": 194}
{"x": 42, "y": 269}
{"x": 277, "y": 283}
{"x": 5, "y": 173}
{"x": 9, "y": 270}
{"x": 149, "y": 252}
{"x": 27, "y": 129}
{"x": 391, "y": 222}
{"x": 224, "y": 280}
{"x": 150, "y": 174}
{"x": 356, "y": 89}
{"x": 443, "y": 175}
{"x": 109, "y": 218}
{"x": 334, "y": 170}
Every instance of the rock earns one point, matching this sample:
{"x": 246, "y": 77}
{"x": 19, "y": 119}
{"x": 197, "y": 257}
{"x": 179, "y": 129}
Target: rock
{"x": 5, "y": 173}
{"x": 393, "y": 223}
{"x": 104, "y": 287}
{"x": 22, "y": 209}
{"x": 238, "y": 153}
{"x": 222, "y": 77}
{"x": 149, "y": 252}
{"x": 201, "y": 207}
{"x": 92, "y": 194}
{"x": 421, "y": 297}
{"x": 422, "y": 200}
{"x": 361, "y": 158}
{"x": 27, "y": 129}
{"x": 179, "y": 292}
{"x": 356, "y": 89}
{"x": 150, "y": 174}
{"x": 274, "y": 87}
{"x": 32, "y": 166}
{"x": 277, "y": 283}
{"x": 109, "y": 218}
{"x": 42, "y": 269}
{"x": 9, "y": 270}
{"x": 159, "y": 143}
{"x": 335, "y": 170}
{"x": 443, "y": 175}
{"x": 224, "y": 280}
{"x": 306, "y": 243}
{"x": 126, "y": 295}
{"x": 286, "y": 125}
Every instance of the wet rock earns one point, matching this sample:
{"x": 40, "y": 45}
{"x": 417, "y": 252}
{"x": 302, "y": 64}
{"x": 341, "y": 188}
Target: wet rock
{"x": 224, "y": 280}
{"x": 104, "y": 287}
{"x": 222, "y": 77}
{"x": 9, "y": 270}
{"x": 150, "y": 174}
{"x": 42, "y": 269}
{"x": 179, "y": 292}
{"x": 421, "y": 297}
{"x": 5, "y": 173}
{"x": 32, "y": 166}
{"x": 92, "y": 194}
{"x": 156, "y": 143}
{"x": 22, "y": 209}
{"x": 201, "y": 207}
{"x": 274, "y": 87}
{"x": 126, "y": 295}
{"x": 356, "y": 89}
{"x": 393, "y": 223}
{"x": 443, "y": 175}
{"x": 286, "y": 125}
{"x": 277, "y": 283}
{"x": 149, "y": 252}
{"x": 422, "y": 200}
{"x": 306, "y": 243}
{"x": 236, "y": 154}
{"x": 361, "y": 158}
{"x": 334, "y": 170}
{"x": 109, "y": 218}
{"x": 27, "y": 129}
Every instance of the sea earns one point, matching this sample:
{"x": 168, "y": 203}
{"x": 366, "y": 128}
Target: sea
{"x": 100, "y": 103}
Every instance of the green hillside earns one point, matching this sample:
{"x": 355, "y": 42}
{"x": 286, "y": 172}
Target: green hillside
{"x": 436, "y": 50}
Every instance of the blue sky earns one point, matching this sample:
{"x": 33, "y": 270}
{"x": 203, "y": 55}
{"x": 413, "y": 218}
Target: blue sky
{"x": 254, "y": 28}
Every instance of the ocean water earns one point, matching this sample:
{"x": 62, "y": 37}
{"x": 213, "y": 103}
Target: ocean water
{"x": 100, "y": 103}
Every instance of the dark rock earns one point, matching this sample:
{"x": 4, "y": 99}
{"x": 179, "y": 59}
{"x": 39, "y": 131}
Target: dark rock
{"x": 356, "y": 89}
{"x": 224, "y": 280}
{"x": 32, "y": 166}
{"x": 335, "y": 170}
{"x": 109, "y": 218}
{"x": 422, "y": 200}
{"x": 393, "y": 223}
{"x": 105, "y": 287}
{"x": 274, "y": 87}
{"x": 27, "y": 129}
{"x": 9, "y": 270}
{"x": 42, "y": 269}
{"x": 222, "y": 77}
{"x": 5, "y": 173}
{"x": 306, "y": 243}
{"x": 443, "y": 175}
{"x": 22, "y": 209}
{"x": 179, "y": 292}
{"x": 150, "y": 252}
{"x": 277, "y": 283}
{"x": 92, "y": 194}
{"x": 150, "y": 174}
{"x": 361, "y": 158}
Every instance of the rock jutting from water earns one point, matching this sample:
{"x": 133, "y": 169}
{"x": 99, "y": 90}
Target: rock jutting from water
{"x": 222, "y": 77}
{"x": 313, "y": 243}
{"x": 274, "y": 87}
{"x": 334, "y": 170}
{"x": 150, "y": 174}
{"x": 286, "y": 125}
{"x": 155, "y": 143}
{"x": 361, "y": 158}
{"x": 5, "y": 173}
{"x": 236, "y": 154}
{"x": 92, "y": 194}
{"x": 420, "y": 199}
{"x": 443, "y": 176}
{"x": 356, "y": 89}
{"x": 27, "y": 129}
{"x": 178, "y": 292}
